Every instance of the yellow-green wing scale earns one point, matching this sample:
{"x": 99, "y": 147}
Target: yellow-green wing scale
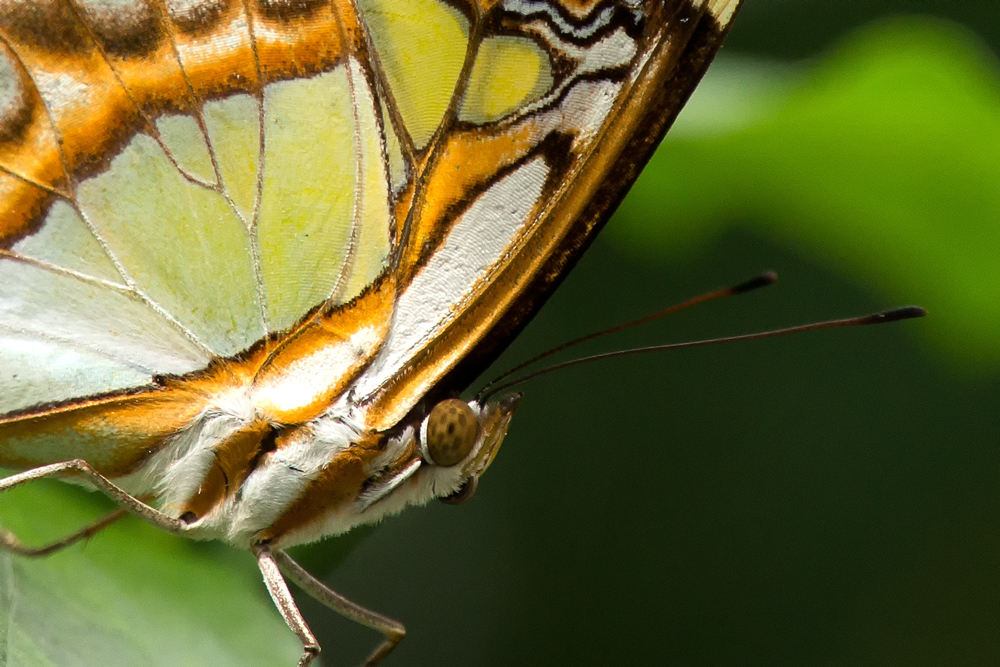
{"x": 421, "y": 46}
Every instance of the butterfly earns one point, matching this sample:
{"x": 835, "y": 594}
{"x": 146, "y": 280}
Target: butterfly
{"x": 252, "y": 250}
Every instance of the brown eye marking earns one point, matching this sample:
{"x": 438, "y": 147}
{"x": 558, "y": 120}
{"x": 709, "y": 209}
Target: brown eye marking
{"x": 450, "y": 433}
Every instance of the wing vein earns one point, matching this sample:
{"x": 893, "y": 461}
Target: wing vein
{"x": 340, "y": 285}
{"x": 472, "y": 50}
{"x": 220, "y": 186}
{"x": 128, "y": 290}
{"x": 62, "y": 270}
{"x": 138, "y": 291}
{"x": 69, "y": 342}
{"x": 27, "y": 179}
{"x": 406, "y": 144}
{"x": 48, "y": 111}
{"x": 71, "y": 198}
{"x": 259, "y": 186}
{"x": 151, "y": 128}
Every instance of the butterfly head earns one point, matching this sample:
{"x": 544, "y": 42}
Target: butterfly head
{"x": 465, "y": 437}
{"x": 442, "y": 456}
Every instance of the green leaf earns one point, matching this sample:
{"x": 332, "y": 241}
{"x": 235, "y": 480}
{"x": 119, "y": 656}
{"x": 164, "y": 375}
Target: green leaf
{"x": 882, "y": 161}
{"x": 131, "y": 596}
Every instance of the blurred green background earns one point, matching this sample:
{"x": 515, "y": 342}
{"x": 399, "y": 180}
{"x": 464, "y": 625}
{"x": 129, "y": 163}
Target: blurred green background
{"x": 824, "y": 499}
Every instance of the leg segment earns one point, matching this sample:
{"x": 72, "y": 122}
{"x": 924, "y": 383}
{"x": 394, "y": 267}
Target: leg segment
{"x": 10, "y": 542}
{"x": 283, "y": 600}
{"x": 127, "y": 502}
{"x": 392, "y": 630}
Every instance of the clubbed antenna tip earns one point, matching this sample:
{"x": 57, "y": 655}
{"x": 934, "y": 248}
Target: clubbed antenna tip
{"x": 894, "y": 315}
{"x": 763, "y": 280}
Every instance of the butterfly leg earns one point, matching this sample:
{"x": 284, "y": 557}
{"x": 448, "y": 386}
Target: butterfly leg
{"x": 125, "y": 501}
{"x": 285, "y": 603}
{"x": 393, "y": 631}
{"x": 10, "y": 542}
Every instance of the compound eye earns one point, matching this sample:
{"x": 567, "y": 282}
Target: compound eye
{"x": 450, "y": 433}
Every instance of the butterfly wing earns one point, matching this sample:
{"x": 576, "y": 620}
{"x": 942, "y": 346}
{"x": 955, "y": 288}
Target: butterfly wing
{"x": 302, "y": 197}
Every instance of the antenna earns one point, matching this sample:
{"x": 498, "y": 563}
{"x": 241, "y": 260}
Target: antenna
{"x": 893, "y": 315}
{"x": 762, "y": 280}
